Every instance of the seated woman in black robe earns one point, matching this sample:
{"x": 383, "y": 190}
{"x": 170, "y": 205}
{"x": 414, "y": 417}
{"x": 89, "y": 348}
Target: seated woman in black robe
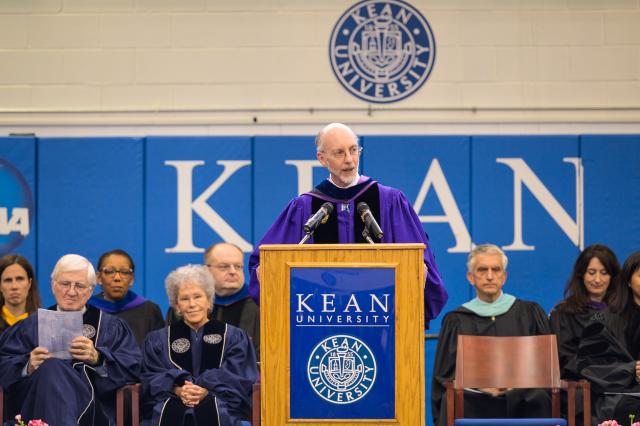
{"x": 19, "y": 294}
{"x": 591, "y": 289}
{"x": 589, "y": 312}
{"x": 630, "y": 280}
{"x": 116, "y": 273}
{"x": 196, "y": 371}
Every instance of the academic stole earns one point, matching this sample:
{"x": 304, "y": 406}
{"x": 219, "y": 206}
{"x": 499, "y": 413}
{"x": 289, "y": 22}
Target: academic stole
{"x": 328, "y": 232}
{"x": 213, "y": 337}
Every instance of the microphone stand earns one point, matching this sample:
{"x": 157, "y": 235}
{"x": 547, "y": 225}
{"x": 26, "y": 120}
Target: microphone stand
{"x": 366, "y": 235}
{"x": 305, "y": 238}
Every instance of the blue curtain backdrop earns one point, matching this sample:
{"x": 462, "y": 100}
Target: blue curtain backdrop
{"x": 165, "y": 199}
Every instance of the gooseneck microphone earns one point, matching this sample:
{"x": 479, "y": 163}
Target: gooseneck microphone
{"x": 321, "y": 216}
{"x": 370, "y": 222}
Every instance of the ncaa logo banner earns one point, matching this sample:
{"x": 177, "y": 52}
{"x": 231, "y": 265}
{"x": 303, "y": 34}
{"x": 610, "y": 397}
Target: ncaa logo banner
{"x": 17, "y": 208}
{"x": 382, "y": 51}
{"x": 342, "y": 343}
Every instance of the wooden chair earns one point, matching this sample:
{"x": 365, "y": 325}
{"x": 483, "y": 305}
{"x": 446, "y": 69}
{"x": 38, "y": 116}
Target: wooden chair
{"x": 255, "y": 410}
{"x": 512, "y": 362}
{"x": 132, "y": 392}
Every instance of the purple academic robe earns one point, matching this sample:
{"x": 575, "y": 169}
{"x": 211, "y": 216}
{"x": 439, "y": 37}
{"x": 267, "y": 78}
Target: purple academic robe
{"x": 398, "y": 220}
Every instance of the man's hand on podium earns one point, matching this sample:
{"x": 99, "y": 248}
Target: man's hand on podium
{"x": 426, "y": 271}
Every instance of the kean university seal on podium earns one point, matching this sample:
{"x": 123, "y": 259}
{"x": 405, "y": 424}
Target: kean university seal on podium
{"x": 341, "y": 369}
{"x": 382, "y": 51}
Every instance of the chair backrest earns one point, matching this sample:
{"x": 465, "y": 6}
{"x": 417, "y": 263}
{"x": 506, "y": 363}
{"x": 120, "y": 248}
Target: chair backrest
{"x": 255, "y": 410}
{"x": 507, "y": 362}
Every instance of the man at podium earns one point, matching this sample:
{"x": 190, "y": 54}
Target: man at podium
{"x": 349, "y": 208}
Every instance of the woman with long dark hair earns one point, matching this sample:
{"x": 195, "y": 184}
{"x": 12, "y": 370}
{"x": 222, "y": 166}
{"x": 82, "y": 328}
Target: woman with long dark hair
{"x": 629, "y": 280}
{"x": 591, "y": 289}
{"x": 590, "y": 331}
{"x": 19, "y": 294}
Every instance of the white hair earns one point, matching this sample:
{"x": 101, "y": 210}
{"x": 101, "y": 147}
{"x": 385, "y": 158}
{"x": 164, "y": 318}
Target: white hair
{"x": 485, "y": 249}
{"x": 195, "y": 274}
{"x": 72, "y": 263}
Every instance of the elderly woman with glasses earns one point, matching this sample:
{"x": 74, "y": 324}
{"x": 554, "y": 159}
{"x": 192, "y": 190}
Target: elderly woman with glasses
{"x": 46, "y": 385}
{"x": 197, "y": 369}
{"x": 116, "y": 273}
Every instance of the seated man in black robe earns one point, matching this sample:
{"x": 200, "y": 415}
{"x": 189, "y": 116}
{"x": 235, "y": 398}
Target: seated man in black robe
{"x": 80, "y": 390}
{"x": 491, "y": 313}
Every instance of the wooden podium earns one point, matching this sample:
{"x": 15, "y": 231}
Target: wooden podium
{"x": 364, "y": 361}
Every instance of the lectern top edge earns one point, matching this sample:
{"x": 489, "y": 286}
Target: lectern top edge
{"x": 281, "y": 247}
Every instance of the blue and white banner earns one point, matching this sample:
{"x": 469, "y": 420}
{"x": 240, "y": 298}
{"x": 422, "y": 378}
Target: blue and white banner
{"x": 198, "y": 192}
{"x": 90, "y": 200}
{"x": 165, "y": 199}
{"x": 342, "y": 324}
{"x": 17, "y": 196}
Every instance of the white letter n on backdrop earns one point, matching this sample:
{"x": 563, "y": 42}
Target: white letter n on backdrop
{"x": 187, "y": 205}
{"x": 523, "y": 175}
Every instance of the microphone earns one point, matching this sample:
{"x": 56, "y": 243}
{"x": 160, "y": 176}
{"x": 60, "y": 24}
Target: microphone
{"x": 321, "y": 216}
{"x": 369, "y": 220}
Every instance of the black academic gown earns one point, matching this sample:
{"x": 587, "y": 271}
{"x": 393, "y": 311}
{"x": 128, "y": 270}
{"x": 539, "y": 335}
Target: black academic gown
{"x": 67, "y": 392}
{"x": 568, "y": 328}
{"x": 632, "y": 333}
{"x": 219, "y": 357}
{"x": 522, "y": 319}
{"x": 628, "y": 404}
{"x": 604, "y": 359}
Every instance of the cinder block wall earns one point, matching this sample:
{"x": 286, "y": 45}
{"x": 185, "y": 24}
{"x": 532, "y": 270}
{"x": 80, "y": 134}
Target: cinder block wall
{"x": 120, "y": 55}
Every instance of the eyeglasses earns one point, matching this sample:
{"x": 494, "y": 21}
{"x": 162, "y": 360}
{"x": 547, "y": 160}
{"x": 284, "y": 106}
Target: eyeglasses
{"x": 341, "y": 154}
{"x": 226, "y": 266}
{"x": 123, "y": 272}
{"x": 483, "y": 271}
{"x": 67, "y": 285}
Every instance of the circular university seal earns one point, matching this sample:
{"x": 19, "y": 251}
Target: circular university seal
{"x": 341, "y": 369}
{"x": 88, "y": 331}
{"x": 180, "y": 345}
{"x": 382, "y": 50}
{"x": 16, "y": 199}
{"x": 212, "y": 339}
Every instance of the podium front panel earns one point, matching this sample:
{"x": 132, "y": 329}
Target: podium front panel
{"x": 342, "y": 326}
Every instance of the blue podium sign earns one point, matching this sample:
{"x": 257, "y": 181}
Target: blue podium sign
{"x": 342, "y": 343}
